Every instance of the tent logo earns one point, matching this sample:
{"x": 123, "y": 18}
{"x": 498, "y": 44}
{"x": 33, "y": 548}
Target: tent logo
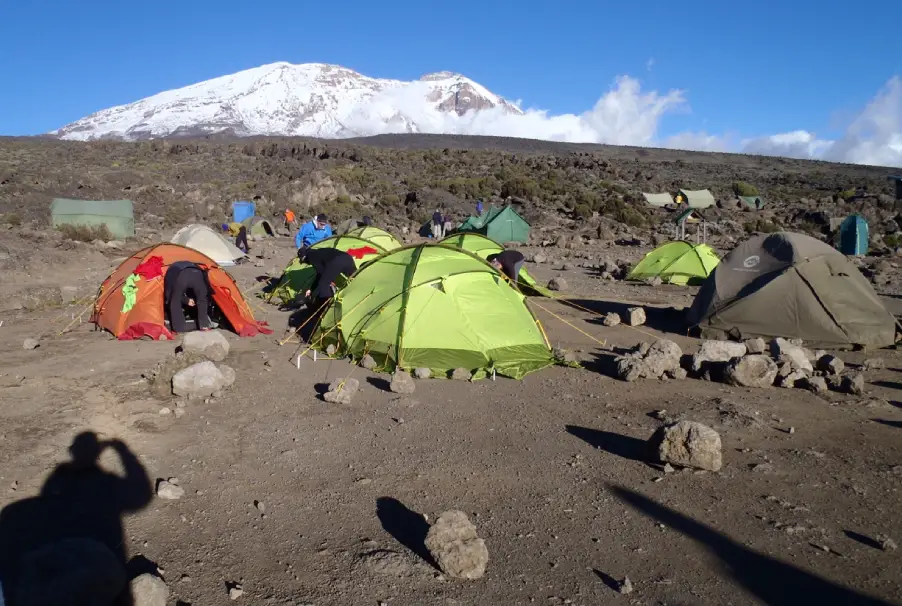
{"x": 750, "y": 262}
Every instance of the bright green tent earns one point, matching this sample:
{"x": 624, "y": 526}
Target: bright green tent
{"x": 438, "y": 307}
{"x": 376, "y": 235}
{"x": 499, "y": 224}
{"x": 258, "y": 227}
{"x": 484, "y": 246}
{"x": 678, "y": 262}
{"x": 298, "y": 276}
{"x": 117, "y": 215}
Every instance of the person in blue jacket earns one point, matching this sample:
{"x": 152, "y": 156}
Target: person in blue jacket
{"x": 312, "y": 232}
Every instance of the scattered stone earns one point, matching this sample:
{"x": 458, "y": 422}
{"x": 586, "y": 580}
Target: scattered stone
{"x": 663, "y": 356}
{"x": 40, "y": 297}
{"x": 341, "y": 391}
{"x": 235, "y": 592}
{"x": 830, "y": 364}
{"x": 367, "y": 362}
{"x": 642, "y": 348}
{"x": 567, "y": 267}
{"x": 455, "y": 547}
{"x": 401, "y": 382}
{"x": 202, "y": 379}
{"x": 655, "y": 281}
{"x": 422, "y": 373}
{"x": 630, "y": 369}
{"x": 762, "y": 468}
{"x": 886, "y": 543}
{"x": 261, "y": 507}
{"x": 816, "y": 385}
{"x": 210, "y": 344}
{"x": 564, "y": 355}
{"x": 149, "y": 590}
{"x": 853, "y": 384}
{"x": 834, "y": 383}
{"x": 171, "y": 491}
{"x": 792, "y": 379}
{"x": 635, "y": 316}
{"x": 873, "y": 364}
{"x": 31, "y": 344}
{"x": 611, "y": 319}
{"x": 791, "y": 431}
{"x": 756, "y": 346}
{"x": 539, "y": 258}
{"x": 717, "y": 351}
{"x": 461, "y": 374}
{"x": 625, "y": 586}
{"x": 751, "y": 371}
{"x": 165, "y": 411}
{"x": 668, "y": 468}
{"x": 558, "y": 283}
{"x": 782, "y": 347}
{"x": 688, "y": 444}
{"x": 677, "y": 374}
{"x": 330, "y": 350}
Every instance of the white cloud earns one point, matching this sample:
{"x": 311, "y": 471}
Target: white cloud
{"x": 700, "y": 141}
{"x": 795, "y": 144}
{"x": 650, "y": 63}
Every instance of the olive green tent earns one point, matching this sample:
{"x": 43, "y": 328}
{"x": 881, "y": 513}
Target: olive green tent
{"x": 298, "y": 276}
{"x": 793, "y": 286}
{"x": 484, "y": 246}
{"x": 677, "y": 263}
{"x": 258, "y": 228}
{"x": 376, "y": 235}
{"x": 499, "y": 224}
{"x": 659, "y": 200}
{"x": 117, "y": 215}
{"x": 437, "y": 307}
{"x": 700, "y": 198}
{"x": 752, "y": 202}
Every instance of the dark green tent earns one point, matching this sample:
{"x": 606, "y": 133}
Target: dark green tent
{"x": 117, "y": 215}
{"x": 499, "y": 224}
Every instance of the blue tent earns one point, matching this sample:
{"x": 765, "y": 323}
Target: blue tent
{"x": 243, "y": 210}
{"x": 853, "y": 236}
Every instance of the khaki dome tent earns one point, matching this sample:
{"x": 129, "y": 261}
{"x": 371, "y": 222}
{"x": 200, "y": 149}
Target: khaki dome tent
{"x": 258, "y": 228}
{"x": 203, "y": 239}
{"x": 793, "y": 286}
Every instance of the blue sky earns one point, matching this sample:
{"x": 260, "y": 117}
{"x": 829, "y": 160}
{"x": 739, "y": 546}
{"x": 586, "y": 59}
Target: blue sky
{"x": 747, "y": 69}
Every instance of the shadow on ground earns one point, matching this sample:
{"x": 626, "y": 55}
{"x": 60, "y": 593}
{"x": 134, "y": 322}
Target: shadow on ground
{"x": 773, "y": 582}
{"x": 663, "y": 319}
{"x": 626, "y": 447}
{"x": 407, "y": 526}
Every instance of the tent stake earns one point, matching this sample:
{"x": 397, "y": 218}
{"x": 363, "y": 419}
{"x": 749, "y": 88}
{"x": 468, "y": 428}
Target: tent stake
{"x": 493, "y": 374}
{"x": 299, "y": 362}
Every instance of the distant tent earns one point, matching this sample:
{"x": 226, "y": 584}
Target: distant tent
{"x": 792, "y": 286}
{"x": 376, "y": 235}
{"x": 243, "y": 210}
{"x": 677, "y": 263}
{"x": 500, "y": 224}
{"x": 659, "y": 200}
{"x": 258, "y": 227}
{"x": 853, "y": 236}
{"x": 691, "y": 216}
{"x": 701, "y": 198}
{"x": 752, "y": 202}
{"x": 203, "y": 239}
{"x": 483, "y": 246}
{"x": 117, "y": 215}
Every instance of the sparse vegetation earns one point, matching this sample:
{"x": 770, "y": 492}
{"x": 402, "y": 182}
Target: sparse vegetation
{"x": 760, "y": 226}
{"x": 86, "y": 233}
{"x": 741, "y": 188}
{"x": 12, "y": 219}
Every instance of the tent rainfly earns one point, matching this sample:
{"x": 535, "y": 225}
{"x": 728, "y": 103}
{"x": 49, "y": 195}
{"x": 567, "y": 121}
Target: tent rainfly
{"x": 677, "y": 263}
{"x": 752, "y": 202}
{"x": 659, "y": 200}
{"x": 700, "y": 198}
{"x": 203, "y": 239}
{"x": 500, "y": 224}
{"x": 483, "y": 247}
{"x": 117, "y": 215}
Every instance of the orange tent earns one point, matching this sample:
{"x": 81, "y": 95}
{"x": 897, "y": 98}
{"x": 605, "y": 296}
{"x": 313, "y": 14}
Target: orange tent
{"x": 130, "y": 303}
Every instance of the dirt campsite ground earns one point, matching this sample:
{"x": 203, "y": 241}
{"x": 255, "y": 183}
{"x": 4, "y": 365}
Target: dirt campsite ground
{"x": 300, "y": 501}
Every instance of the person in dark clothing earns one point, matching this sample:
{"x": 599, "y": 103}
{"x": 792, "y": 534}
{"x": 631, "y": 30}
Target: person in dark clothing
{"x": 508, "y": 262}
{"x": 367, "y": 221}
{"x": 241, "y": 240}
{"x": 328, "y": 263}
{"x": 186, "y": 286}
{"x": 437, "y": 222}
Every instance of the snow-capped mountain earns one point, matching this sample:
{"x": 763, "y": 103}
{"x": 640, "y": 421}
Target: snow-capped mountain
{"x": 282, "y": 99}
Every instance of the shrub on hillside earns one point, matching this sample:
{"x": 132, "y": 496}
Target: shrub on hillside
{"x": 85, "y": 233}
{"x": 761, "y": 226}
{"x": 13, "y": 219}
{"x": 582, "y": 211}
{"x": 741, "y": 188}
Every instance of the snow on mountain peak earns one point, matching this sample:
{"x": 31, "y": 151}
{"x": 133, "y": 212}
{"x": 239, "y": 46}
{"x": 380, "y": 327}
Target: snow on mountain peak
{"x": 284, "y": 99}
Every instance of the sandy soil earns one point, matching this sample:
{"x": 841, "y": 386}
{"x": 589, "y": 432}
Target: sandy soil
{"x": 551, "y": 469}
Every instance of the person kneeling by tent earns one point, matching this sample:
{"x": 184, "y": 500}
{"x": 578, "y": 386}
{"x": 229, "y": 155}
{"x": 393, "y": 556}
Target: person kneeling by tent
{"x": 329, "y": 263}
{"x": 185, "y": 289}
{"x": 509, "y": 262}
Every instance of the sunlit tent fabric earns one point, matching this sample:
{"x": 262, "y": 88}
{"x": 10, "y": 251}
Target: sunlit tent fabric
{"x": 117, "y": 215}
{"x": 243, "y": 210}
{"x": 204, "y": 239}
{"x": 700, "y": 198}
{"x": 677, "y": 263}
{"x": 376, "y": 235}
{"x": 483, "y": 246}
{"x": 752, "y": 202}
{"x": 298, "y": 276}
{"x": 499, "y": 224}
{"x": 853, "y": 236}
{"x": 659, "y": 200}
{"x": 793, "y": 286}
{"x": 437, "y": 307}
{"x": 130, "y": 303}
{"x": 258, "y": 227}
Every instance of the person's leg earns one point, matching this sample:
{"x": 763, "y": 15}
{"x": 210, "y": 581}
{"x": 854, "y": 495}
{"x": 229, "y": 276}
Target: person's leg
{"x": 517, "y": 267}
{"x": 202, "y": 301}
{"x": 176, "y": 313}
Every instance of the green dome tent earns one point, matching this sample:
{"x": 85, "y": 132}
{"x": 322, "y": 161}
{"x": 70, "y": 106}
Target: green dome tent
{"x": 117, "y": 215}
{"x": 483, "y": 246}
{"x": 499, "y": 224}
{"x": 678, "y": 262}
{"x": 258, "y": 228}
{"x": 376, "y": 235}
{"x": 298, "y": 276}
{"x": 438, "y": 307}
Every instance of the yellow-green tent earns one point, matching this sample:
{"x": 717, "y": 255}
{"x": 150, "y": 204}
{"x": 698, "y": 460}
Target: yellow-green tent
{"x": 298, "y": 276}
{"x": 678, "y": 262}
{"x": 437, "y": 307}
{"x": 376, "y": 235}
{"x": 483, "y": 246}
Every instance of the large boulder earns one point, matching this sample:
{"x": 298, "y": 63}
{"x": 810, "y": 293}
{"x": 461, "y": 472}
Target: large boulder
{"x": 402, "y": 382}
{"x": 635, "y": 316}
{"x": 830, "y": 364}
{"x": 663, "y": 356}
{"x": 631, "y": 368}
{"x": 202, "y": 379}
{"x": 751, "y": 371}
{"x": 688, "y": 444}
{"x": 210, "y": 344}
{"x": 782, "y": 347}
{"x": 454, "y": 545}
{"x": 756, "y": 346}
{"x": 717, "y": 351}
{"x": 341, "y": 391}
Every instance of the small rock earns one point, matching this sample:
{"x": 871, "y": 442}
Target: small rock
{"x": 662, "y": 356}
{"x": 830, "y": 364}
{"x": 717, "y": 351}
{"x": 886, "y": 543}
{"x": 461, "y": 374}
{"x": 611, "y": 319}
{"x": 668, "y": 468}
{"x": 564, "y": 355}
{"x": 454, "y": 545}
{"x": 210, "y": 344}
{"x": 330, "y": 350}
{"x": 756, "y": 346}
{"x": 853, "y": 384}
{"x": 149, "y": 590}
{"x": 625, "y": 586}
{"x": 169, "y": 490}
{"x": 539, "y": 258}
{"x": 165, "y": 411}
{"x": 201, "y": 379}
{"x": 795, "y": 378}
{"x": 762, "y": 468}
{"x": 751, "y": 371}
{"x": 677, "y": 374}
{"x": 341, "y": 391}
{"x": 235, "y": 592}
{"x": 567, "y": 267}
{"x": 873, "y": 364}
{"x": 558, "y": 283}
{"x": 816, "y": 385}
{"x": 31, "y": 344}
{"x": 688, "y": 444}
{"x": 422, "y": 373}
{"x": 630, "y": 369}
{"x": 782, "y": 347}
{"x": 402, "y": 382}
{"x": 367, "y": 362}
{"x": 635, "y": 316}
{"x": 261, "y": 507}
{"x": 792, "y": 430}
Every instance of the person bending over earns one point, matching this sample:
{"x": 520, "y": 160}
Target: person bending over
{"x": 329, "y": 263}
{"x": 508, "y": 262}
{"x": 185, "y": 289}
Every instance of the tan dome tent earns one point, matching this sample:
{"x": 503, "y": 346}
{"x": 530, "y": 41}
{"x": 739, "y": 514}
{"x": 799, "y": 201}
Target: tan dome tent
{"x": 793, "y": 286}
{"x": 203, "y": 239}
